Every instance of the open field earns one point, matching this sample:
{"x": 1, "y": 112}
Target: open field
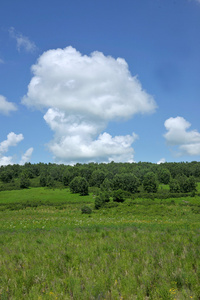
{"x": 140, "y": 249}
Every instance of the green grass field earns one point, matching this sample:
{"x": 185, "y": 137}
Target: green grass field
{"x": 141, "y": 249}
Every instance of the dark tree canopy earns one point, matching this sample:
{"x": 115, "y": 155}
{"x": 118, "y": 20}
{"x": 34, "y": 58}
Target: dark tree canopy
{"x": 130, "y": 177}
{"x": 150, "y": 183}
{"x": 126, "y": 181}
{"x": 79, "y": 185}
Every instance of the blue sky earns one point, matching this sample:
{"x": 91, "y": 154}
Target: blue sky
{"x": 95, "y": 80}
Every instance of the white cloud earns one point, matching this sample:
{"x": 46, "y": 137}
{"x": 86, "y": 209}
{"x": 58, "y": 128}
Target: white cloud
{"x": 5, "y": 106}
{"x": 1, "y": 61}
{"x": 26, "y": 156}
{"x": 23, "y": 42}
{"x": 12, "y": 140}
{"x": 178, "y": 135}
{"x": 82, "y": 94}
{"x": 6, "y": 160}
{"x": 161, "y": 161}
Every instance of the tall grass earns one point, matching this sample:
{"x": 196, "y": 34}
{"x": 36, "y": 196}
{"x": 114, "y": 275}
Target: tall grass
{"x": 141, "y": 249}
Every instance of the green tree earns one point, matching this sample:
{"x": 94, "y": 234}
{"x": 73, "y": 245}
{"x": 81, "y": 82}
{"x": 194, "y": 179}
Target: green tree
{"x": 174, "y": 186}
{"x": 50, "y": 183}
{"x": 79, "y": 185}
{"x": 118, "y": 196}
{"x": 24, "y": 181}
{"x": 43, "y": 179}
{"x": 97, "y": 178}
{"x": 106, "y": 185}
{"x": 67, "y": 177}
{"x": 164, "y": 175}
{"x": 126, "y": 181}
{"x": 6, "y": 176}
{"x": 150, "y": 183}
{"x": 187, "y": 184}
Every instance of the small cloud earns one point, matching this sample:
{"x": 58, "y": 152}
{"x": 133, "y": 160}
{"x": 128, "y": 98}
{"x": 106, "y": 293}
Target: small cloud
{"x": 188, "y": 142}
{"x": 12, "y": 140}
{"x": 23, "y": 42}
{"x": 161, "y": 161}
{"x": 26, "y": 156}
{"x": 1, "y": 61}
{"x": 5, "y": 106}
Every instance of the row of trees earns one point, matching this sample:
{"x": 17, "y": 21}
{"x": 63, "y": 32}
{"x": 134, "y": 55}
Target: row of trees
{"x": 130, "y": 177}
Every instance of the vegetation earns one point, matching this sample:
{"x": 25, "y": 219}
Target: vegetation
{"x": 134, "y": 178}
{"x": 63, "y": 236}
{"x": 79, "y": 185}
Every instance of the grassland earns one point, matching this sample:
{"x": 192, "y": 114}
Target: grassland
{"x": 140, "y": 249}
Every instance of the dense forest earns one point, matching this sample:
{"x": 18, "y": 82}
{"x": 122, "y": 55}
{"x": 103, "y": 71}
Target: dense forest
{"x": 117, "y": 180}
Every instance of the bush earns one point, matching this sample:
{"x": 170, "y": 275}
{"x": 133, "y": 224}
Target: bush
{"x": 99, "y": 202}
{"x": 101, "y": 199}
{"x": 86, "y": 210}
{"x": 118, "y": 196}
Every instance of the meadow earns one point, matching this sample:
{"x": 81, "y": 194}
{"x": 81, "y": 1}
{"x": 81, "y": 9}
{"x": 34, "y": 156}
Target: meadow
{"x": 139, "y": 249}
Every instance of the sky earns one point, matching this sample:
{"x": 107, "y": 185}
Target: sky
{"x": 99, "y": 81}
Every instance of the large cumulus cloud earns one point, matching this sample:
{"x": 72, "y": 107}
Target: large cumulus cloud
{"x": 178, "y": 134}
{"x": 81, "y": 95}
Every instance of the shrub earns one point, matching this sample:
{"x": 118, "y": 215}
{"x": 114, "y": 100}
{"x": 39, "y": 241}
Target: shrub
{"x": 99, "y": 202}
{"x": 86, "y": 210}
{"x": 101, "y": 199}
{"x": 118, "y": 196}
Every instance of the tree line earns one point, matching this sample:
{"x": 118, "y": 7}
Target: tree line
{"x": 141, "y": 177}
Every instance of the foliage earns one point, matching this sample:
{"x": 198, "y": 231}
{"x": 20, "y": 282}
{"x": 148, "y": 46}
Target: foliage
{"x": 97, "y": 178}
{"x": 150, "y": 183}
{"x": 164, "y": 252}
{"x": 164, "y": 175}
{"x": 118, "y": 196}
{"x": 102, "y": 198}
{"x": 130, "y": 177}
{"x": 106, "y": 185}
{"x": 24, "y": 181}
{"x": 99, "y": 202}
{"x": 43, "y": 179}
{"x": 79, "y": 185}
{"x": 67, "y": 177}
{"x": 126, "y": 181}
{"x": 174, "y": 186}
{"x": 86, "y": 210}
{"x": 187, "y": 184}
{"x": 6, "y": 176}
{"x": 50, "y": 183}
